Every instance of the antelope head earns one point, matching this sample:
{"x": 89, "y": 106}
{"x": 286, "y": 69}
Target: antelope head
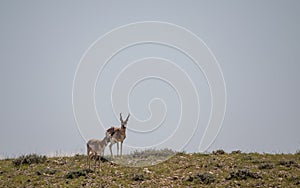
{"x": 124, "y": 123}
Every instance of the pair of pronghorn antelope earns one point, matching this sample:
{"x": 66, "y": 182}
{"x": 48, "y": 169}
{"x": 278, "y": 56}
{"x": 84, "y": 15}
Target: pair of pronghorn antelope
{"x": 113, "y": 135}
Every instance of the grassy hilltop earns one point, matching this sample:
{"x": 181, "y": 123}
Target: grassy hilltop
{"x": 217, "y": 169}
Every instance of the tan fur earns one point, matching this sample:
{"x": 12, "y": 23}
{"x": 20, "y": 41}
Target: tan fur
{"x": 96, "y": 148}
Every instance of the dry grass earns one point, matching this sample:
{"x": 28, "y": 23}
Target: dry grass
{"x": 183, "y": 170}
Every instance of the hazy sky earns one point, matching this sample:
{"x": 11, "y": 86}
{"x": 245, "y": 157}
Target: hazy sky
{"x": 256, "y": 44}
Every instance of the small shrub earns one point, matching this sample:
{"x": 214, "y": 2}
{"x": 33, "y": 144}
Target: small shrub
{"x": 236, "y": 152}
{"x": 266, "y": 166}
{"x": 219, "y": 165}
{"x": 219, "y": 152}
{"x": 181, "y": 152}
{"x": 152, "y": 152}
{"x": 189, "y": 178}
{"x": 243, "y": 174}
{"x": 49, "y": 171}
{"x": 39, "y": 173}
{"x": 248, "y": 157}
{"x": 295, "y": 180}
{"x": 204, "y": 178}
{"x": 138, "y": 177}
{"x": 256, "y": 161}
{"x": 288, "y": 163}
{"x": 79, "y": 156}
{"x": 29, "y": 159}
{"x": 77, "y": 173}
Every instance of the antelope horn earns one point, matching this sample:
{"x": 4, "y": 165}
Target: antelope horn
{"x": 127, "y": 116}
{"x": 121, "y": 117}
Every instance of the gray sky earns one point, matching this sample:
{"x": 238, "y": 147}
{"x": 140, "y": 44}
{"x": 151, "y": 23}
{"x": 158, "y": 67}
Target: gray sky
{"x": 255, "y": 42}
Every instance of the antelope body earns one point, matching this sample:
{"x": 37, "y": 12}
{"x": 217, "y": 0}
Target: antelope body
{"x": 118, "y": 135}
{"x": 96, "y": 148}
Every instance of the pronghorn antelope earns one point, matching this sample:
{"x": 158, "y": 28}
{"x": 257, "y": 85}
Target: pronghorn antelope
{"x": 118, "y": 135}
{"x": 96, "y": 148}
